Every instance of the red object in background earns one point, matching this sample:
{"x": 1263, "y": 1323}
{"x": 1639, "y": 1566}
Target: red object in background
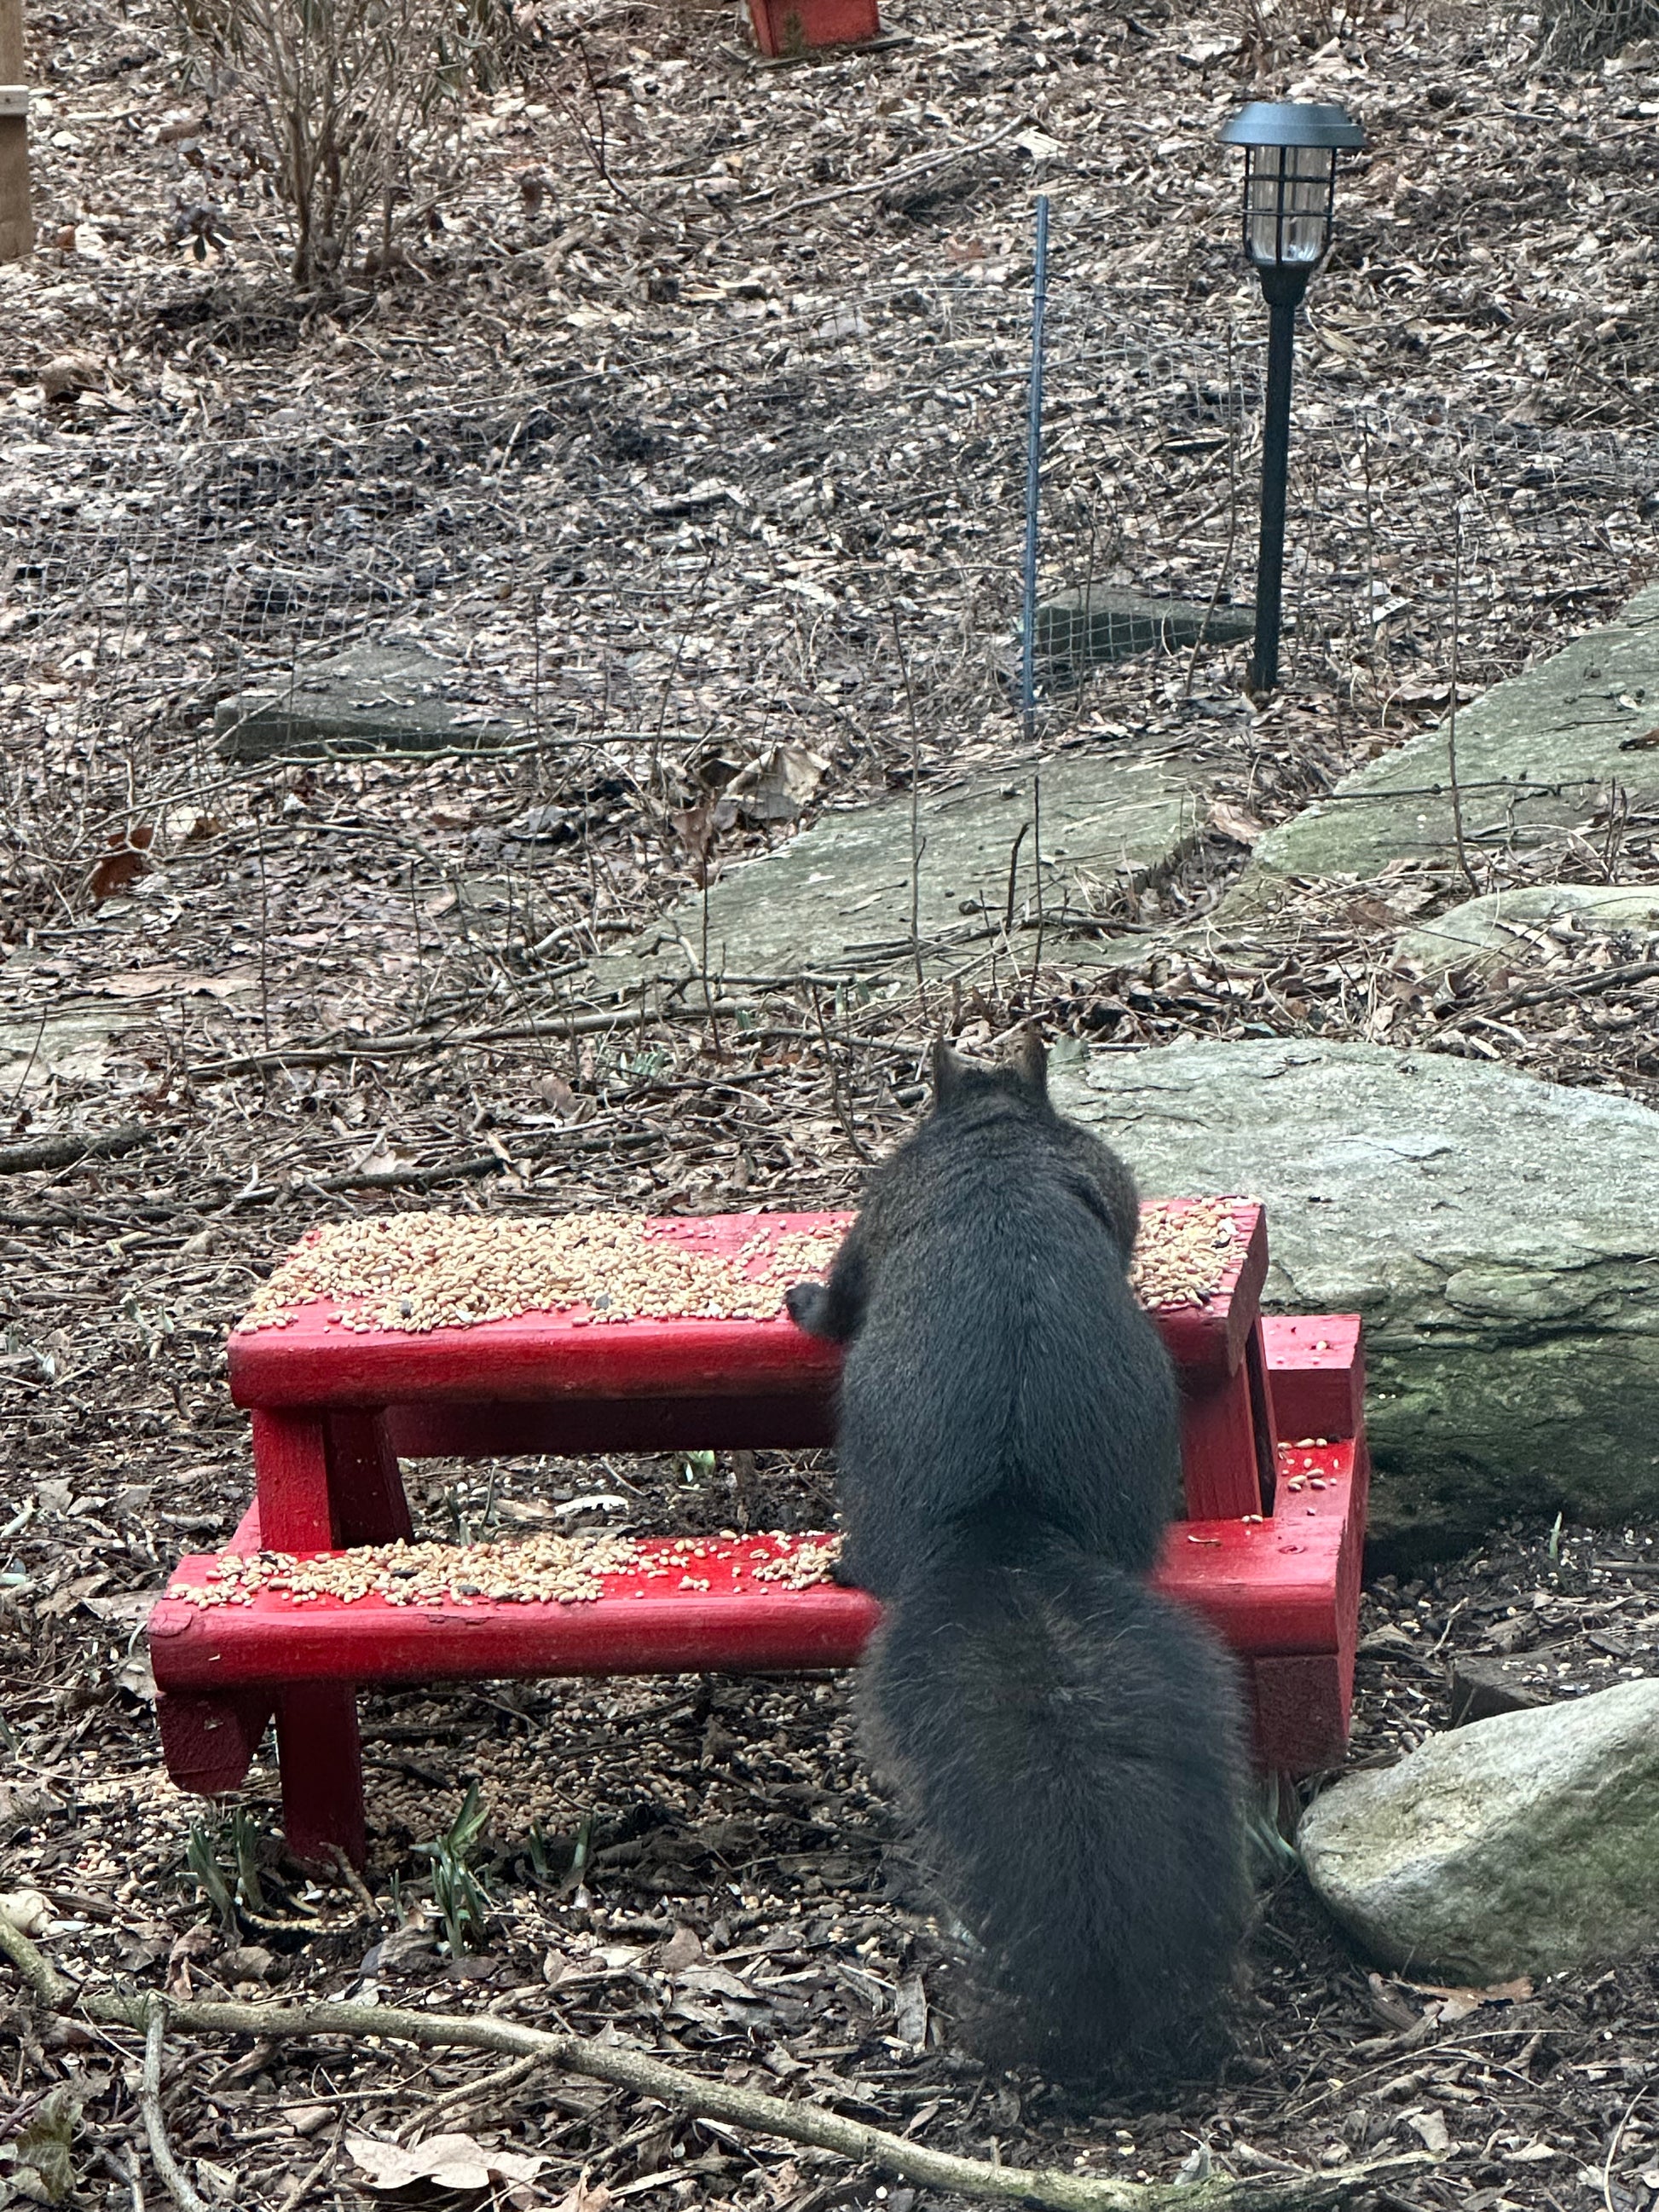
{"x": 796, "y": 27}
{"x": 1273, "y": 1460}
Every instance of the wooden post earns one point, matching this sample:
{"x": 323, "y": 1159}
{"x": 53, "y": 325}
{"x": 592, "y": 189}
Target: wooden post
{"x": 16, "y": 216}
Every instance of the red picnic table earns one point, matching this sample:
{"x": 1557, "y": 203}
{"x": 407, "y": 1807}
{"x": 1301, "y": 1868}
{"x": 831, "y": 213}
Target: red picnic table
{"x": 1274, "y": 1459}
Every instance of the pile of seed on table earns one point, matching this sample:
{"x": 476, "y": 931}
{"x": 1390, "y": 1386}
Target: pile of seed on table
{"x": 414, "y": 1273}
{"x": 1183, "y": 1251}
{"x": 800, "y": 1569}
{"x": 538, "y": 1570}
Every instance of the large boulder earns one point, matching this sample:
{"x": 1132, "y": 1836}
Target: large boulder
{"x": 1525, "y": 1845}
{"x": 1533, "y": 755}
{"x": 1496, "y": 1233}
{"x": 838, "y": 898}
{"x": 1095, "y": 624}
{"x": 1509, "y": 925}
{"x": 393, "y": 697}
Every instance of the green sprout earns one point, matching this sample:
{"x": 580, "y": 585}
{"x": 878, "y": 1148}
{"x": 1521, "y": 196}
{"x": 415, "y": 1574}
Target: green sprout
{"x": 458, "y": 1890}
{"x": 201, "y": 1857}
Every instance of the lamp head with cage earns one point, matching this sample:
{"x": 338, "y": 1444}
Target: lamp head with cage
{"x": 1289, "y": 183}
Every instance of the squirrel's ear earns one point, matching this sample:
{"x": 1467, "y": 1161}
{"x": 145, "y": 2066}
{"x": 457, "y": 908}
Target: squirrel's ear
{"x": 1030, "y": 1061}
{"x": 948, "y": 1073}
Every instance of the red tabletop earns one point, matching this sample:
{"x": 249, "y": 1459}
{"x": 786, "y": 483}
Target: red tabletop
{"x": 316, "y": 1361}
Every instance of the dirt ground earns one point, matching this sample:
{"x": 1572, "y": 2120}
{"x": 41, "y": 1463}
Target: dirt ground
{"x": 342, "y": 1038}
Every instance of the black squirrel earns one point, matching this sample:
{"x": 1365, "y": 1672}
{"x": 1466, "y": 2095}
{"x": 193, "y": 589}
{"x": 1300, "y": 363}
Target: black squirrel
{"x": 1070, "y": 1744}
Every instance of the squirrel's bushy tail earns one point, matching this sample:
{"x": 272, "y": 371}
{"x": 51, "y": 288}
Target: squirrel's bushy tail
{"x": 1071, "y": 1746}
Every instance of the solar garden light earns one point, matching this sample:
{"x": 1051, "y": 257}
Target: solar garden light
{"x": 1290, "y": 185}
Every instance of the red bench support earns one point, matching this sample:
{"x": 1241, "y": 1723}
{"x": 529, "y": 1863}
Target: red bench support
{"x": 1273, "y": 1457}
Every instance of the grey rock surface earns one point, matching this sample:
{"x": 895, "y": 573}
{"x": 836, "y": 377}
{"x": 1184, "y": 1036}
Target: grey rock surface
{"x": 1496, "y": 1233}
{"x": 1483, "y": 932}
{"x": 1523, "y": 1845}
{"x": 391, "y": 697}
{"x": 837, "y": 899}
{"x": 1532, "y": 754}
{"x": 82, "y": 1035}
{"x": 1101, "y": 623}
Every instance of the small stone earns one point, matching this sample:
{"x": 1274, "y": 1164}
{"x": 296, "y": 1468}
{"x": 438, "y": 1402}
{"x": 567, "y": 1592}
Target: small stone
{"x": 1099, "y": 622}
{"x": 1522, "y": 1845}
{"x": 248, "y": 1962}
{"x": 1483, "y": 1687}
{"x": 396, "y": 696}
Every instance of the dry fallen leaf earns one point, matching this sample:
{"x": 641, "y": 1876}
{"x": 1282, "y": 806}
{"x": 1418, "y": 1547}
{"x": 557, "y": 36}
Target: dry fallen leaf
{"x": 1515, "y": 1992}
{"x": 585, "y": 2198}
{"x": 117, "y": 870}
{"x": 68, "y": 373}
{"x": 777, "y": 786}
{"x": 1233, "y": 822}
{"x": 448, "y": 2161}
{"x": 26, "y": 1909}
{"x": 1429, "y": 2128}
{"x": 174, "y": 983}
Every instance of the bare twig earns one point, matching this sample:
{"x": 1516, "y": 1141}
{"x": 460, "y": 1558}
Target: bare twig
{"x": 301, "y": 2188}
{"x": 113, "y": 2162}
{"x": 1051, "y": 2188}
{"x": 1014, "y": 878}
{"x": 1451, "y": 718}
{"x": 842, "y": 1115}
{"x": 63, "y": 1152}
{"x": 916, "y": 839}
{"x": 886, "y": 180}
{"x": 472, "y": 2093}
{"x": 168, "y": 2169}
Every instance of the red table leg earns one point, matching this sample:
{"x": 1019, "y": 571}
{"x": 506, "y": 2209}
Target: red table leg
{"x": 365, "y": 1483}
{"x": 209, "y": 1744}
{"x": 317, "y": 1750}
{"x": 290, "y": 1466}
{"x": 1220, "y": 1472}
{"x": 320, "y": 1757}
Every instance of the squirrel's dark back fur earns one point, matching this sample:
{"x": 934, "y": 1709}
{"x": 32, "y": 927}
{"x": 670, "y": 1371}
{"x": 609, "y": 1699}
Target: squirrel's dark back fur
{"x": 1069, "y": 1742}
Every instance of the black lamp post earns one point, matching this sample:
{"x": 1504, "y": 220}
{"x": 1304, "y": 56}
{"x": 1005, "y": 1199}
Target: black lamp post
{"x": 1290, "y": 185}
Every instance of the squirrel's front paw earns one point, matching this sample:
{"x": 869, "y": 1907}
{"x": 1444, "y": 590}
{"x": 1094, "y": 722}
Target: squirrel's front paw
{"x": 844, "y": 1567}
{"x": 806, "y": 1303}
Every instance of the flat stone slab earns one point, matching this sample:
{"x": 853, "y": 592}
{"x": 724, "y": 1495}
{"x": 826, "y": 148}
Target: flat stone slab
{"x": 1484, "y": 933}
{"x": 1532, "y": 754}
{"x": 1522, "y": 1845}
{"x": 83, "y": 1036}
{"x": 836, "y": 900}
{"x": 394, "y": 697}
{"x": 1496, "y": 1232}
{"x": 1099, "y": 623}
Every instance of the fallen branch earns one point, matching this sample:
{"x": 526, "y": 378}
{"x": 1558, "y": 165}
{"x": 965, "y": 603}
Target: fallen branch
{"x": 171, "y": 2175}
{"x": 471, "y": 1164}
{"x": 620, "y": 1019}
{"x": 1049, "y": 2187}
{"x": 887, "y": 182}
{"x": 1569, "y": 986}
{"x": 64, "y": 1151}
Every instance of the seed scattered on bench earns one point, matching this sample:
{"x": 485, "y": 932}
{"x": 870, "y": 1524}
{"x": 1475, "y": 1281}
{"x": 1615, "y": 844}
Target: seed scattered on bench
{"x": 538, "y": 1570}
{"x": 414, "y": 1273}
{"x": 411, "y": 1273}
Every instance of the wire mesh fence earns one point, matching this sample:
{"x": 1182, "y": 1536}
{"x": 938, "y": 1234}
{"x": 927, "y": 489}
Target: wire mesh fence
{"x": 708, "y": 532}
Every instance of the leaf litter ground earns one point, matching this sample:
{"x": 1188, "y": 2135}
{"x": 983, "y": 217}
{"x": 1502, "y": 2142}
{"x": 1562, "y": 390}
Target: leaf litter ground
{"x": 768, "y": 358}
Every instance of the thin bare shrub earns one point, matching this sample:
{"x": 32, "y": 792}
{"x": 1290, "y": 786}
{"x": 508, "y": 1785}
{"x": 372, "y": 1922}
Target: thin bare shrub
{"x": 361, "y": 103}
{"x": 1580, "y": 31}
